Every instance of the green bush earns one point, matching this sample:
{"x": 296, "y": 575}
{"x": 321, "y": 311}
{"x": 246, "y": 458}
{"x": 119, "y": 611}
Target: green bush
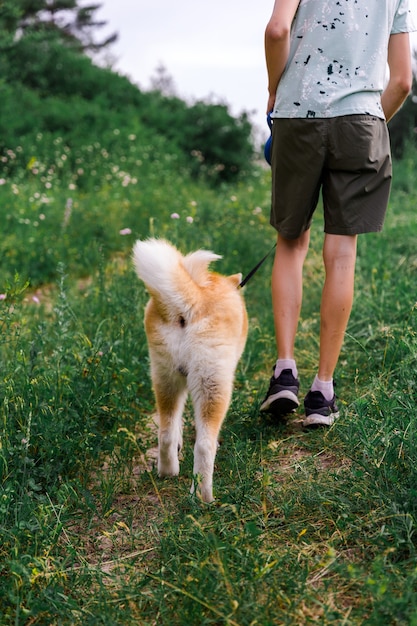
{"x": 216, "y": 144}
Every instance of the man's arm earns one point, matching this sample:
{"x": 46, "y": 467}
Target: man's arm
{"x": 401, "y": 77}
{"x": 277, "y": 44}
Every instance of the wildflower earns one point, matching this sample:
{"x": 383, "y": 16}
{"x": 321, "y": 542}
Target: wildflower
{"x": 257, "y": 210}
{"x": 198, "y": 155}
{"x": 175, "y": 216}
{"x": 3, "y": 296}
{"x": 193, "y": 203}
{"x": 125, "y": 231}
{"x": 35, "y": 299}
{"x": 2, "y": 181}
{"x": 189, "y": 219}
{"x": 233, "y": 198}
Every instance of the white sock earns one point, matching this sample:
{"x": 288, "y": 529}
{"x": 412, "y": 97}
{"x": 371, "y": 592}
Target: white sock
{"x": 285, "y": 364}
{"x": 325, "y": 386}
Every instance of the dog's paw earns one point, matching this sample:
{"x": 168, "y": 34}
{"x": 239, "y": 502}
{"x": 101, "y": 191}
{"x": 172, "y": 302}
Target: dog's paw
{"x": 202, "y": 489}
{"x": 168, "y": 467}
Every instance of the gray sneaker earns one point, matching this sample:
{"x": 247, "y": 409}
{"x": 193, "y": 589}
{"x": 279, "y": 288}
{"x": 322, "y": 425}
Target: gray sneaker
{"x": 318, "y": 410}
{"x": 281, "y": 397}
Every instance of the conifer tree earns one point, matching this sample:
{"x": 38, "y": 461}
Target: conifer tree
{"x": 72, "y": 24}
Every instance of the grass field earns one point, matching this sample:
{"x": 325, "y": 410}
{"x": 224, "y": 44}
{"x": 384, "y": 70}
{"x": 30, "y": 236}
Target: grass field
{"x": 307, "y": 527}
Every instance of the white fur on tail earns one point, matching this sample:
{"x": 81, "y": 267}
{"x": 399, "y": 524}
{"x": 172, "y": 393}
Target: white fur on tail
{"x": 157, "y": 263}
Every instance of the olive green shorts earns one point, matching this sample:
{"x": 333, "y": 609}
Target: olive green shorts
{"x": 347, "y": 158}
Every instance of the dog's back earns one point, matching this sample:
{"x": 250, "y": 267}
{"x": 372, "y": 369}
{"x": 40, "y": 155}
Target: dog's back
{"x": 186, "y": 295}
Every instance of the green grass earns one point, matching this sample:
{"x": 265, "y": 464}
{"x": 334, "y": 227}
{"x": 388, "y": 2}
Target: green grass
{"x": 307, "y": 527}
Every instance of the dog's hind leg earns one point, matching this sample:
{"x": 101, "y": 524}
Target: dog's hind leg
{"x": 211, "y": 400}
{"x": 170, "y": 400}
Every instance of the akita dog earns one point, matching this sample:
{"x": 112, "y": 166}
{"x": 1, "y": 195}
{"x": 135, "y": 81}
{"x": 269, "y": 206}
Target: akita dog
{"x": 196, "y": 326}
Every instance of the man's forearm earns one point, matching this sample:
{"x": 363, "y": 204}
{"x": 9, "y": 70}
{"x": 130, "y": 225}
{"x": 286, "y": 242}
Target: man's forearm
{"x": 276, "y": 53}
{"x": 401, "y": 77}
{"x": 393, "y": 97}
{"x": 277, "y": 43}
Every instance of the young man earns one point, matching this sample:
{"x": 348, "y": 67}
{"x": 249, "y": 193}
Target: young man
{"x": 330, "y": 99}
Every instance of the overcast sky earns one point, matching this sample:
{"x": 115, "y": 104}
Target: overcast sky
{"x": 209, "y": 47}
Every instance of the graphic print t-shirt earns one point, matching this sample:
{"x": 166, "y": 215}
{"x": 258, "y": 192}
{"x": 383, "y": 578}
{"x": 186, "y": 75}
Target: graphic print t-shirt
{"x": 338, "y": 57}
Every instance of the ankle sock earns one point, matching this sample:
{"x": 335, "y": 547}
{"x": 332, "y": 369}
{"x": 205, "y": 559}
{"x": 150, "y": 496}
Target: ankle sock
{"x": 325, "y": 386}
{"x": 285, "y": 364}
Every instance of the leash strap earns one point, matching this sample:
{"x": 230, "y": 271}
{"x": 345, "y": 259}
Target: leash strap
{"x": 255, "y": 269}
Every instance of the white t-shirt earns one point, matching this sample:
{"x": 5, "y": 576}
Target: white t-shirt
{"x": 338, "y": 57}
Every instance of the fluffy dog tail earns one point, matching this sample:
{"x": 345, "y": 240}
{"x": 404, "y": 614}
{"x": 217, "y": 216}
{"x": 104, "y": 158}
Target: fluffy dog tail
{"x": 173, "y": 279}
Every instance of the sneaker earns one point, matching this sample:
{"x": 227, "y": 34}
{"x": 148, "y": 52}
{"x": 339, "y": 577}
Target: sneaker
{"x": 281, "y": 397}
{"x": 318, "y": 410}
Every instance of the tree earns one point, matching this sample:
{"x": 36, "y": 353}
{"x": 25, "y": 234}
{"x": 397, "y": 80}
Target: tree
{"x": 61, "y": 19}
{"x": 163, "y": 82}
